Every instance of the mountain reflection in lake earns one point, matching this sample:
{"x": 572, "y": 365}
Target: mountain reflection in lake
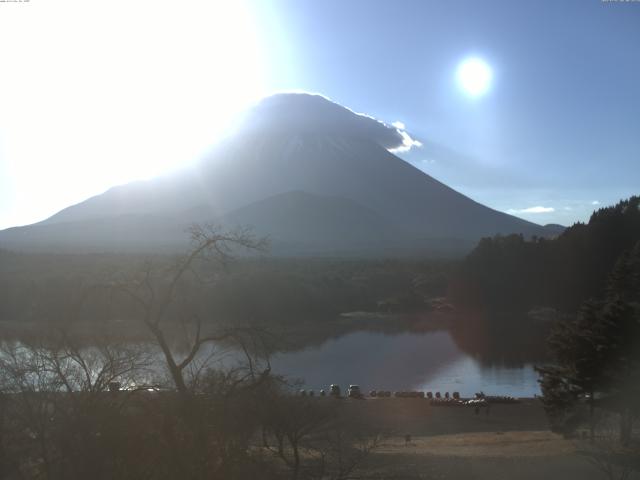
{"x": 403, "y": 361}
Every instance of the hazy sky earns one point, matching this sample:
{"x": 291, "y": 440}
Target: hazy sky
{"x": 95, "y": 93}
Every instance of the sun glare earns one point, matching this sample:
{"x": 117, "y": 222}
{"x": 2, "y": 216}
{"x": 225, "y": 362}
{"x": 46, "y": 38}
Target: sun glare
{"x": 99, "y": 93}
{"x": 474, "y": 76}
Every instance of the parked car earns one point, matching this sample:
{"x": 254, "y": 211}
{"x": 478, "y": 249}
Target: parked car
{"x": 354, "y": 391}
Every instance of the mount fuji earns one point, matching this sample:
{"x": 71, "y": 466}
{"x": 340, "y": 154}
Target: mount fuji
{"x": 314, "y": 176}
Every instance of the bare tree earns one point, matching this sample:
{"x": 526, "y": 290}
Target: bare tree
{"x": 316, "y": 438}
{"x": 343, "y": 451}
{"x": 160, "y": 296}
{"x": 62, "y": 421}
{"x": 207, "y": 426}
{"x": 296, "y": 422}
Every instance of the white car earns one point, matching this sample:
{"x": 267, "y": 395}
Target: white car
{"x": 354, "y": 391}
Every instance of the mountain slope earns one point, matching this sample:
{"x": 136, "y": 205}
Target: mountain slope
{"x": 305, "y": 223}
{"x": 337, "y": 161}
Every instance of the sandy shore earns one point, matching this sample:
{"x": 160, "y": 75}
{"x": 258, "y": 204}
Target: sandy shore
{"x": 512, "y": 441}
{"x": 417, "y": 417}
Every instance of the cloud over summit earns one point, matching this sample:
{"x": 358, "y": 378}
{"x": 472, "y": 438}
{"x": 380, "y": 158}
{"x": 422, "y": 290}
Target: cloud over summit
{"x": 309, "y": 113}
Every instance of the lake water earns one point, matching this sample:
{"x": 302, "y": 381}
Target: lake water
{"x": 404, "y": 360}
{"x": 429, "y": 361}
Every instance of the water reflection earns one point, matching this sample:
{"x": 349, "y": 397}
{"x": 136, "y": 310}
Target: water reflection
{"x": 403, "y": 361}
{"x": 470, "y": 356}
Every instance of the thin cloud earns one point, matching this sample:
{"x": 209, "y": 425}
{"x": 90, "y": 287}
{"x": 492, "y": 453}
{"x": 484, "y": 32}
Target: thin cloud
{"x": 536, "y": 209}
{"x": 595, "y": 202}
{"x": 407, "y": 142}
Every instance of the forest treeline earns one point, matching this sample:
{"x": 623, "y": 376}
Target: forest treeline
{"x": 37, "y": 288}
{"x": 511, "y": 273}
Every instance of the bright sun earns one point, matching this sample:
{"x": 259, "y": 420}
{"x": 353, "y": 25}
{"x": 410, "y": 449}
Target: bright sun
{"x": 99, "y": 93}
{"x": 474, "y": 76}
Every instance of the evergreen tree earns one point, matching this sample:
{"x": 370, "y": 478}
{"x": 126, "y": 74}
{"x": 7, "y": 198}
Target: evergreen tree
{"x": 580, "y": 348}
{"x": 622, "y": 314}
{"x": 514, "y": 273}
{"x": 597, "y": 354}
